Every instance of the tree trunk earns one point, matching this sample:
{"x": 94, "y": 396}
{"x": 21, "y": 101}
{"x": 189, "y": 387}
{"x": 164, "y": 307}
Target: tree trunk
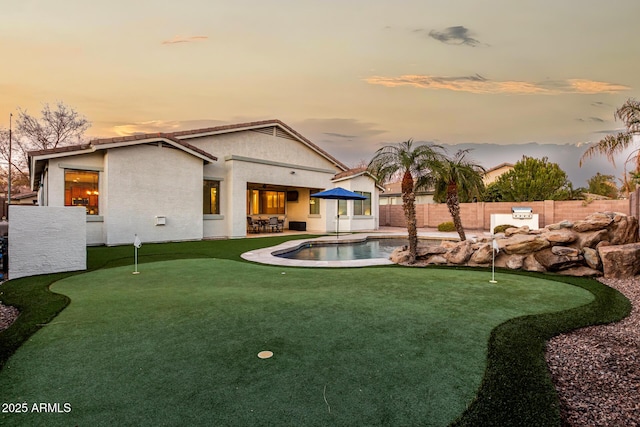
{"x": 454, "y": 209}
{"x": 409, "y": 205}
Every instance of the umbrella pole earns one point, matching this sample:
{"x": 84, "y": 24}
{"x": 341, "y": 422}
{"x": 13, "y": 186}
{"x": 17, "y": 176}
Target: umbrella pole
{"x": 338, "y": 222}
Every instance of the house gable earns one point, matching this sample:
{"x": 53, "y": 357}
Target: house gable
{"x": 248, "y": 147}
{"x": 39, "y": 158}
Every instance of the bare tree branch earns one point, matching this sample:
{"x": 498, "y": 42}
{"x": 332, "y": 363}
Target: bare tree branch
{"x": 56, "y": 128}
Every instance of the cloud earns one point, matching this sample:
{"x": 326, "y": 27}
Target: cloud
{"x": 457, "y": 35}
{"x": 591, "y": 119}
{"x": 481, "y": 85}
{"x": 156, "y": 126}
{"x": 340, "y": 135}
{"x": 350, "y": 140}
{"x": 180, "y": 39}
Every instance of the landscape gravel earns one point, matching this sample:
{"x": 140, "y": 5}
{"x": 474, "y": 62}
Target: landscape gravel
{"x": 596, "y": 370}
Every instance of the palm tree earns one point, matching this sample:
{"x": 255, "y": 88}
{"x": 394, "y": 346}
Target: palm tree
{"x": 453, "y": 177}
{"x": 629, "y": 113}
{"x": 412, "y": 163}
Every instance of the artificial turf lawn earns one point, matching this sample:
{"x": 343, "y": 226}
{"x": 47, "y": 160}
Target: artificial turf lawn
{"x": 177, "y": 344}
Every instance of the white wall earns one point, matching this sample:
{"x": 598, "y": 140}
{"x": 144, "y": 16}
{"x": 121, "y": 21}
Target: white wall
{"x": 352, "y": 222}
{"x": 44, "y": 239}
{"x": 242, "y": 172}
{"x": 255, "y": 157}
{"x": 145, "y": 181}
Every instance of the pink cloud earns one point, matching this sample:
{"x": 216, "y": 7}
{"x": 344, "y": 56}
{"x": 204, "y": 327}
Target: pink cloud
{"x": 481, "y": 85}
{"x": 181, "y": 39}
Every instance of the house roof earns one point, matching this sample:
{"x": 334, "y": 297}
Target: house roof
{"x": 196, "y": 133}
{"x": 176, "y": 139}
{"x": 37, "y": 158}
{"x": 355, "y": 172}
{"x": 23, "y": 196}
{"x": 500, "y": 166}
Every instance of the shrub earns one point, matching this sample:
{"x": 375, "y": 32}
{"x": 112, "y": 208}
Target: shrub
{"x": 446, "y": 226}
{"x": 501, "y": 228}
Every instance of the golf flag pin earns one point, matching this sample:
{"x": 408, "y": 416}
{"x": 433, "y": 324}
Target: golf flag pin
{"x": 495, "y": 250}
{"x": 136, "y": 244}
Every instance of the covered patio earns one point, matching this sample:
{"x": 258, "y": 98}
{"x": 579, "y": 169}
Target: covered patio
{"x": 275, "y": 208}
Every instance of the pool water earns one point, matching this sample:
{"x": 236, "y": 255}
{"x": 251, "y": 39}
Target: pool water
{"x": 371, "y": 248}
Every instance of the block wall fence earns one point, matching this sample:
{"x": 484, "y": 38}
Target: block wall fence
{"x": 477, "y": 216}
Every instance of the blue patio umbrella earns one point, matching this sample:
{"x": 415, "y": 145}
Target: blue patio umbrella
{"x": 338, "y": 193}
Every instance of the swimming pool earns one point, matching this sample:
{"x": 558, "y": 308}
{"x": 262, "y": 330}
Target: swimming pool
{"x": 269, "y": 255}
{"x": 368, "y": 249}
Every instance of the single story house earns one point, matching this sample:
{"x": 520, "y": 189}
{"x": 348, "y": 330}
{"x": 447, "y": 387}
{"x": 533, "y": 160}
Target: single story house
{"x": 492, "y": 175}
{"x": 393, "y": 195}
{"x": 201, "y": 184}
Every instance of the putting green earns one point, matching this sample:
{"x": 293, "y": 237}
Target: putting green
{"x": 178, "y": 344}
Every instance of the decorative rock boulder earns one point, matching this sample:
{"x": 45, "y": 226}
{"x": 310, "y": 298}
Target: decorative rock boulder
{"x": 560, "y": 225}
{"x": 561, "y": 236}
{"x": 482, "y": 255}
{"x": 592, "y": 258}
{"x": 619, "y": 261}
{"x": 590, "y": 240}
{"x": 523, "y": 244}
{"x": 517, "y": 230}
{"x": 532, "y": 264}
{"x": 623, "y": 230}
{"x": 400, "y": 255}
{"x": 596, "y": 221}
{"x": 552, "y": 262}
{"x": 460, "y": 254}
{"x": 581, "y": 271}
{"x": 515, "y": 262}
{"x": 602, "y": 242}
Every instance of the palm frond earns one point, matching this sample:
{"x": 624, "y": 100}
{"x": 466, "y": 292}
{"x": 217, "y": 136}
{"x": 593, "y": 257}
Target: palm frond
{"x": 609, "y": 146}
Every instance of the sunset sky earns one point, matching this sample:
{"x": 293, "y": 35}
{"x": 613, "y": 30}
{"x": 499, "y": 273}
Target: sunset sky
{"x": 349, "y": 75}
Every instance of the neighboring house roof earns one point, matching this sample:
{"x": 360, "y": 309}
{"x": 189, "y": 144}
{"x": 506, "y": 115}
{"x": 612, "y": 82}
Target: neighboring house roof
{"x": 38, "y": 157}
{"x": 594, "y": 196}
{"x": 500, "y": 166}
{"x": 491, "y": 175}
{"x": 280, "y": 127}
{"x": 23, "y": 196}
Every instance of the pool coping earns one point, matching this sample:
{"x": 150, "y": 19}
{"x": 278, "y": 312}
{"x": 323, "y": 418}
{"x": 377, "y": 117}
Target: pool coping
{"x": 266, "y": 255}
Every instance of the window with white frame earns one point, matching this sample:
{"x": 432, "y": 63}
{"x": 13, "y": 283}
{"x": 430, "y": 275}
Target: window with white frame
{"x": 211, "y": 197}
{"x": 81, "y": 188}
{"x": 362, "y": 207}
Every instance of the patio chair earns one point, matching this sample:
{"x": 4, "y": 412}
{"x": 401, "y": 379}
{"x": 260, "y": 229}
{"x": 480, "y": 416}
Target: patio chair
{"x": 252, "y": 226}
{"x": 274, "y": 224}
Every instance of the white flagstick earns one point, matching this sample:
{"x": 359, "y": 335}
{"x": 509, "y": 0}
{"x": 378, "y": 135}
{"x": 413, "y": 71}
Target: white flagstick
{"x": 136, "y": 244}
{"x": 494, "y": 249}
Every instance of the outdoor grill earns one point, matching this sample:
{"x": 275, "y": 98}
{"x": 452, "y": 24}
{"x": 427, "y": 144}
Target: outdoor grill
{"x": 521, "y": 212}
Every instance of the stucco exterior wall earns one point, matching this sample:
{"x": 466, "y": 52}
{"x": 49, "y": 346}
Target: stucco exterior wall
{"x": 259, "y": 157}
{"x": 259, "y": 145}
{"x": 148, "y": 181}
{"x": 45, "y": 240}
{"x": 243, "y": 171}
{"x": 352, "y": 222}
{"x": 55, "y": 181}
